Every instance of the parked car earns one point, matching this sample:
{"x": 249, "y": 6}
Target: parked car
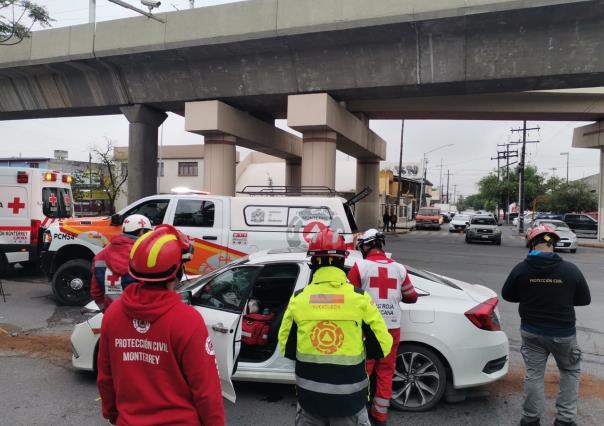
{"x": 568, "y": 239}
{"x": 581, "y": 223}
{"x": 554, "y": 216}
{"x": 483, "y": 228}
{"x": 428, "y": 217}
{"x": 459, "y": 223}
{"x": 451, "y": 335}
{"x": 222, "y": 229}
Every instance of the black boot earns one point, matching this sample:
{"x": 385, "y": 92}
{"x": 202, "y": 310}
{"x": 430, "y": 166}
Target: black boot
{"x": 529, "y": 422}
{"x": 563, "y": 423}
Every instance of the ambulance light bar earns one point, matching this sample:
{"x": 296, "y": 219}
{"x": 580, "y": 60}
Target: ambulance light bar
{"x": 67, "y": 179}
{"x": 22, "y": 177}
{"x": 50, "y": 177}
{"x": 184, "y": 190}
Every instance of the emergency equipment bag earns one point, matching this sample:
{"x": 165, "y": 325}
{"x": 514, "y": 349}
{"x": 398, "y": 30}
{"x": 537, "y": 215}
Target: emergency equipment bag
{"x": 255, "y": 328}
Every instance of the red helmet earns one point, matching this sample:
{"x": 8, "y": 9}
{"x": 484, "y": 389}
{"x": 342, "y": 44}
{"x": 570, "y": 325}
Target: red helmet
{"x": 546, "y": 232}
{"x": 157, "y": 255}
{"x": 327, "y": 243}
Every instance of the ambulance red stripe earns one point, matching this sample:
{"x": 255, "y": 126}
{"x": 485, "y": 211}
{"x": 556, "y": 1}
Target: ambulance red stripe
{"x": 15, "y": 228}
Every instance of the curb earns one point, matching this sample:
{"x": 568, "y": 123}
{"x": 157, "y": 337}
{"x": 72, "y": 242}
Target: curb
{"x": 596, "y": 245}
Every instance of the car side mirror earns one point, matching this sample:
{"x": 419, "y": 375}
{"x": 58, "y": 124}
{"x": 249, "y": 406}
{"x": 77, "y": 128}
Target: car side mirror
{"x": 116, "y": 219}
{"x": 186, "y": 297}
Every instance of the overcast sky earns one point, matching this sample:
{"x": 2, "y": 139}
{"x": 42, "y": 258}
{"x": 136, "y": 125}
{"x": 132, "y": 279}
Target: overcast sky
{"x": 475, "y": 142}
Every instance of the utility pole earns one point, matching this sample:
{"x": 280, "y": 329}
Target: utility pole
{"x": 399, "y": 187}
{"x": 567, "y": 155}
{"x": 454, "y": 192}
{"x": 440, "y": 184}
{"x": 448, "y": 174}
{"x": 91, "y": 11}
{"x": 505, "y": 155}
{"x": 521, "y": 169}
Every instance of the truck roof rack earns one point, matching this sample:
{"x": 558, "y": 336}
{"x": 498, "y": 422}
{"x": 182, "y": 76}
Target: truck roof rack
{"x": 287, "y": 190}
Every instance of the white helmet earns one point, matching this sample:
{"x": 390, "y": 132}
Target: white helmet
{"x": 371, "y": 237}
{"x": 135, "y": 222}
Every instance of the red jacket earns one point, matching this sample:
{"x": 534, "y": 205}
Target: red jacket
{"x": 115, "y": 257}
{"x": 156, "y": 362}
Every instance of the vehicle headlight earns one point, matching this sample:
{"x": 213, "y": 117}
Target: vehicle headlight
{"x": 47, "y": 237}
{"x": 573, "y": 237}
{"x": 498, "y": 231}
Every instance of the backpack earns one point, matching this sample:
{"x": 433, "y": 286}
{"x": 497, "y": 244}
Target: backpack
{"x": 255, "y": 328}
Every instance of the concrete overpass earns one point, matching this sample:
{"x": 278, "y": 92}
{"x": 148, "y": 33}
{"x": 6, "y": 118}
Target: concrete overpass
{"x": 370, "y": 57}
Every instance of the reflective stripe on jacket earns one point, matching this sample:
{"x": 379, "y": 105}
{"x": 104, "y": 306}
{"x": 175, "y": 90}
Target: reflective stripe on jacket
{"x": 322, "y": 330}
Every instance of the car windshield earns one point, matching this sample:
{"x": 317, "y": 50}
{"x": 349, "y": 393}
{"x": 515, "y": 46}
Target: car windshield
{"x": 483, "y": 221}
{"x": 558, "y": 224}
{"x": 461, "y": 218}
{"x": 194, "y": 283}
{"x": 429, "y": 212}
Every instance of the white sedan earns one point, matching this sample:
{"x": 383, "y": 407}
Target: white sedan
{"x": 452, "y": 335}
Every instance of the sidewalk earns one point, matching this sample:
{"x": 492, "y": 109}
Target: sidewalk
{"x": 583, "y": 242}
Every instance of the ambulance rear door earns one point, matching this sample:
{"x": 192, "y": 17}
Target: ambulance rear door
{"x": 15, "y": 224}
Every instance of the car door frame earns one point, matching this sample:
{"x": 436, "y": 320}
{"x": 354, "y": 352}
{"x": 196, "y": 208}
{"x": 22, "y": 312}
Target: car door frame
{"x": 224, "y": 328}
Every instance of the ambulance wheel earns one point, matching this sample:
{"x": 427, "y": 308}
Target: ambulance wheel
{"x": 420, "y": 378}
{"x": 71, "y": 283}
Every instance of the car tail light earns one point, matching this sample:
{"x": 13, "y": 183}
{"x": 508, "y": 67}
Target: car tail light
{"x": 22, "y": 177}
{"x": 35, "y": 232}
{"x": 483, "y": 316}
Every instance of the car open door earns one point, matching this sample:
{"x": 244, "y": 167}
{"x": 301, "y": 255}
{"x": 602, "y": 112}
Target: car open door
{"x": 221, "y": 302}
{"x": 224, "y": 329}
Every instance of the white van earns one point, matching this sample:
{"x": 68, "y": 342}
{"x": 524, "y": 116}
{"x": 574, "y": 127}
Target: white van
{"x": 30, "y": 200}
{"x": 222, "y": 229}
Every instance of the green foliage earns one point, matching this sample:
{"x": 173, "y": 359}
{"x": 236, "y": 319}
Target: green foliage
{"x": 17, "y": 17}
{"x": 569, "y": 197}
{"x": 553, "y": 195}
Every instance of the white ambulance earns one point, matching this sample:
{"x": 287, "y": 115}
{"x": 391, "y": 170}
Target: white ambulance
{"x": 30, "y": 201}
{"x": 222, "y": 229}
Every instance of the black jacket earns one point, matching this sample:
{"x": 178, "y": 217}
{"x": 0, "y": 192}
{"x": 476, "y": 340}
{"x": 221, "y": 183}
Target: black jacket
{"x": 548, "y": 289}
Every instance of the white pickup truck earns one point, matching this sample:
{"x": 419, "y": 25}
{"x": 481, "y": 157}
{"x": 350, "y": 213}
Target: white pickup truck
{"x": 222, "y": 229}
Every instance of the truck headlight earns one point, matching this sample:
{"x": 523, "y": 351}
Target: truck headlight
{"x": 47, "y": 237}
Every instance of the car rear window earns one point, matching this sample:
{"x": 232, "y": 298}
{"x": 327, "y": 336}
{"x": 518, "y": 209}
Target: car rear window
{"x": 430, "y": 276}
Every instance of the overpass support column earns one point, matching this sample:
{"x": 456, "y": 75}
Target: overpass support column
{"x": 219, "y": 164}
{"x": 293, "y": 173}
{"x": 368, "y": 209}
{"x": 142, "y": 149}
{"x": 319, "y": 158}
{"x": 592, "y": 136}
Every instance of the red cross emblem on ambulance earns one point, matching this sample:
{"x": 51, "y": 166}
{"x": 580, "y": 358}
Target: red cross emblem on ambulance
{"x": 383, "y": 282}
{"x": 16, "y": 205}
{"x": 52, "y": 200}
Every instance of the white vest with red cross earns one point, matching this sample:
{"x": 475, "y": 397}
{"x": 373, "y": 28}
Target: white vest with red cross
{"x": 384, "y": 280}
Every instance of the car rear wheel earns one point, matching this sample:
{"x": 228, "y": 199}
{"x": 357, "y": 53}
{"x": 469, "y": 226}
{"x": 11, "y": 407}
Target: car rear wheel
{"x": 71, "y": 283}
{"x": 420, "y": 378}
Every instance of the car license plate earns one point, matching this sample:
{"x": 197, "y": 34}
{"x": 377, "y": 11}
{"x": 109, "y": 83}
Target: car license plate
{"x": 485, "y": 236}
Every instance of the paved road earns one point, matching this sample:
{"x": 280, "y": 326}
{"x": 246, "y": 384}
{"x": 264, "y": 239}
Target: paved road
{"x": 38, "y": 386}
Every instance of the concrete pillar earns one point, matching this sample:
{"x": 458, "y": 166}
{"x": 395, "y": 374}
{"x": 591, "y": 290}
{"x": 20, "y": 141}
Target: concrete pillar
{"x": 368, "y": 209}
{"x": 601, "y": 198}
{"x": 293, "y": 173}
{"x": 319, "y": 158}
{"x": 142, "y": 150}
{"x": 219, "y": 164}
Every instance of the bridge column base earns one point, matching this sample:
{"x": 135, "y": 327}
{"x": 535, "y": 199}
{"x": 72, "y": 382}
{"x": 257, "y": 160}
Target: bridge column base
{"x": 293, "y": 173}
{"x": 219, "y": 164}
{"x": 319, "y": 159}
{"x": 368, "y": 209}
{"x": 142, "y": 150}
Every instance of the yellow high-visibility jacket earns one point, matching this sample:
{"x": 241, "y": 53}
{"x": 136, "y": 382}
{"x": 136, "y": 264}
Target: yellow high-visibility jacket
{"x": 322, "y": 330}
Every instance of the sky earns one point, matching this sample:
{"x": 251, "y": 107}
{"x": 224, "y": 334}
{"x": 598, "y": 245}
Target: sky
{"x": 474, "y": 142}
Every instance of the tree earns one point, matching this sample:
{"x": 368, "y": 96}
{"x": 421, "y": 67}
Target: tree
{"x": 17, "y": 17}
{"x": 110, "y": 180}
{"x": 572, "y": 197}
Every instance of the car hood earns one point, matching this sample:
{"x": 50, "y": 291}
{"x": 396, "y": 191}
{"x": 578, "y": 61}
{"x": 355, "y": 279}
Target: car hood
{"x": 564, "y": 233}
{"x": 458, "y": 222}
{"x": 483, "y": 226}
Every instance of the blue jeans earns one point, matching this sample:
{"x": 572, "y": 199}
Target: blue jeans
{"x": 535, "y": 350}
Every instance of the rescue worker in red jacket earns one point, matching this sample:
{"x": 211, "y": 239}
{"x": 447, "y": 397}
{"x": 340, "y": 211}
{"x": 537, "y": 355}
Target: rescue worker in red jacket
{"x": 109, "y": 272}
{"x": 388, "y": 284}
{"x": 156, "y": 363}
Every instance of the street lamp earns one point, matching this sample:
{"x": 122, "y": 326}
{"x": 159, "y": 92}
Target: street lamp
{"x": 425, "y": 164}
{"x": 567, "y": 157}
